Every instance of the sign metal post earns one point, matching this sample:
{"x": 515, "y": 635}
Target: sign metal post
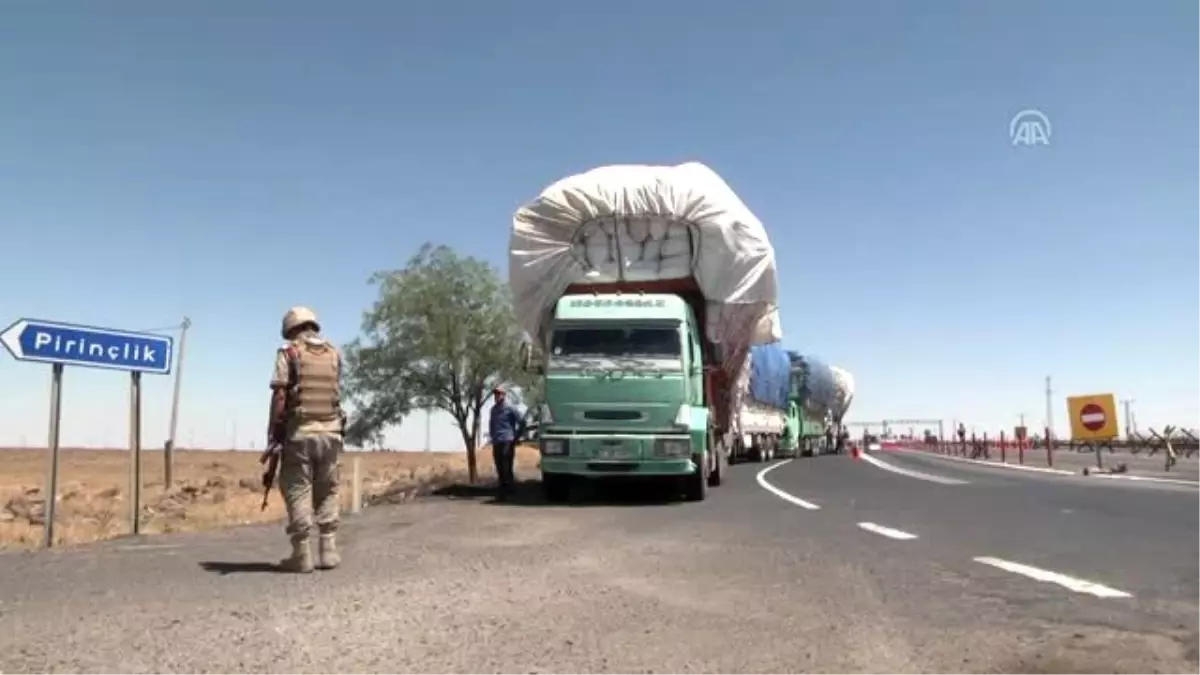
{"x": 63, "y": 344}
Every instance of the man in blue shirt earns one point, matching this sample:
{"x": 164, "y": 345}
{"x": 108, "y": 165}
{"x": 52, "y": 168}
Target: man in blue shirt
{"x": 504, "y": 428}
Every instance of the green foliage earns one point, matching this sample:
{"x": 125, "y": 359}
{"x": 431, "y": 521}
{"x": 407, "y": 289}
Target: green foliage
{"x": 441, "y": 334}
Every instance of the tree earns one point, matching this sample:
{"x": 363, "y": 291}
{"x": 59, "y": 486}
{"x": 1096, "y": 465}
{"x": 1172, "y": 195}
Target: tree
{"x": 441, "y": 334}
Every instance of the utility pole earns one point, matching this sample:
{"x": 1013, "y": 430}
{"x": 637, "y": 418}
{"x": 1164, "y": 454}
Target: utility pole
{"x": 169, "y": 451}
{"x": 1049, "y": 407}
{"x": 1128, "y": 418}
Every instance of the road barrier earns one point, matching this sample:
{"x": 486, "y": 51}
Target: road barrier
{"x": 1175, "y": 443}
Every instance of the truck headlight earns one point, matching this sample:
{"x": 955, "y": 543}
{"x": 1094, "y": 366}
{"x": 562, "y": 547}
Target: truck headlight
{"x": 673, "y": 447}
{"x": 554, "y": 446}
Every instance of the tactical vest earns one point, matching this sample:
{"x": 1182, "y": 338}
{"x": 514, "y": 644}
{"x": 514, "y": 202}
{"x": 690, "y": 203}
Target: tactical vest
{"x": 313, "y": 393}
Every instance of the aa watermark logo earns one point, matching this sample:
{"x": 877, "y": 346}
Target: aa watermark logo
{"x": 1029, "y": 127}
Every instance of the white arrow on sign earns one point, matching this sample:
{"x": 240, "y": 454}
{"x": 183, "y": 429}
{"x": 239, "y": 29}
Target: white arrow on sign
{"x": 12, "y": 338}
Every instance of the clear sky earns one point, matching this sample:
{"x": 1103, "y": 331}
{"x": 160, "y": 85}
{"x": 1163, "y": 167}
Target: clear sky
{"x": 228, "y": 160}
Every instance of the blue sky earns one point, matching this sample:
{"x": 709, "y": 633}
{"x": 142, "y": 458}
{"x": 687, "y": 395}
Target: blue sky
{"x": 226, "y": 161}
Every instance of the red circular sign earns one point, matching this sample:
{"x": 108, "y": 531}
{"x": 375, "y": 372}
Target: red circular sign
{"x": 1092, "y": 417}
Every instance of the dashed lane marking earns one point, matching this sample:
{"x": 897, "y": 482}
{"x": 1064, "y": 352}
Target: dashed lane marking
{"x": 790, "y": 498}
{"x": 1072, "y": 583}
{"x": 888, "y": 532}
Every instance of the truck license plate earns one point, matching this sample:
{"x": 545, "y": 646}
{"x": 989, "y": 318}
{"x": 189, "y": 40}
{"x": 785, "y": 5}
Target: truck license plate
{"x": 614, "y": 450}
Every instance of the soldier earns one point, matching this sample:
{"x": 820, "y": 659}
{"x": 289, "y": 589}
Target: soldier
{"x": 307, "y": 427}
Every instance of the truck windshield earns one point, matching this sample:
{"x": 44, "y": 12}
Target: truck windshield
{"x": 611, "y": 342}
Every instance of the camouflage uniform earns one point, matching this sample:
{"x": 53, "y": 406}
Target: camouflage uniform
{"x": 309, "y": 369}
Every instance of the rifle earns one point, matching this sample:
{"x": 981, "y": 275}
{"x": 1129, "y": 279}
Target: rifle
{"x": 270, "y": 457}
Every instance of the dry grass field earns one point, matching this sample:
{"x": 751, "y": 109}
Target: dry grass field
{"x": 212, "y": 489}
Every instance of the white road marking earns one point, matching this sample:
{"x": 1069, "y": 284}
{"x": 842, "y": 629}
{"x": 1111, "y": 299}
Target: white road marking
{"x": 910, "y": 473}
{"x": 1077, "y": 585}
{"x": 983, "y": 462}
{"x": 887, "y": 531}
{"x": 1148, "y": 479}
{"x": 762, "y": 480}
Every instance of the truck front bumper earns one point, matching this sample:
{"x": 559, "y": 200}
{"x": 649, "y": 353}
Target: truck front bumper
{"x": 581, "y": 466}
{"x": 618, "y": 454}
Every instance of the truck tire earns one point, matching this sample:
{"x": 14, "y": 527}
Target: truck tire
{"x": 762, "y": 448}
{"x": 759, "y": 450}
{"x": 695, "y": 486}
{"x": 556, "y": 487}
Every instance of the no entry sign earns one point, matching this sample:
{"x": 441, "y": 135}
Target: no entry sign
{"x": 1092, "y": 417}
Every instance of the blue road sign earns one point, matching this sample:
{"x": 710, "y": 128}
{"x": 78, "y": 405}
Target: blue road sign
{"x": 73, "y": 345}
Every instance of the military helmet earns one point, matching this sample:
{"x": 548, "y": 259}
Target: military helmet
{"x": 297, "y": 316}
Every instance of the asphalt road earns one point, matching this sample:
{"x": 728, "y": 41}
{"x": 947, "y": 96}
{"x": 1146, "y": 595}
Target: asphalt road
{"x": 881, "y": 576}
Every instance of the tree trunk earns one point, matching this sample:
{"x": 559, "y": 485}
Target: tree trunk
{"x": 475, "y": 432}
{"x": 469, "y": 444}
{"x": 472, "y": 465}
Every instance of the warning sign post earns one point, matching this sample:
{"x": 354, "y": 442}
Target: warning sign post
{"x": 1093, "y": 417}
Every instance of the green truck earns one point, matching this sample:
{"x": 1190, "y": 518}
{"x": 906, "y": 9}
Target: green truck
{"x": 641, "y": 290}
{"x": 822, "y": 395}
{"x": 626, "y": 395}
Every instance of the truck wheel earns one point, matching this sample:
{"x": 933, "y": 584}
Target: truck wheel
{"x": 695, "y": 486}
{"x": 556, "y": 487}
{"x": 720, "y": 462}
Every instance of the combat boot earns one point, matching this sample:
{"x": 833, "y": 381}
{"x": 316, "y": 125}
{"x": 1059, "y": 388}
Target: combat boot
{"x": 301, "y": 559}
{"x": 327, "y": 552}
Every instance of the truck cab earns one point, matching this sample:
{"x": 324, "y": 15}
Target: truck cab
{"x": 624, "y": 392}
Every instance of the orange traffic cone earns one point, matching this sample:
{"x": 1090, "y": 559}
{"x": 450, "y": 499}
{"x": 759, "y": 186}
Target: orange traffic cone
{"x": 854, "y": 451}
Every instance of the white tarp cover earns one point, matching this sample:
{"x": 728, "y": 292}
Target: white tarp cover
{"x": 647, "y": 223}
{"x": 844, "y": 390}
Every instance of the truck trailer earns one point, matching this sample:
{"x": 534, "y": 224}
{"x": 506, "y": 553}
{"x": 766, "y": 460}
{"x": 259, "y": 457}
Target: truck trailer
{"x": 642, "y": 290}
{"x": 843, "y": 383}
{"x": 815, "y": 392}
{"x": 767, "y": 414}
